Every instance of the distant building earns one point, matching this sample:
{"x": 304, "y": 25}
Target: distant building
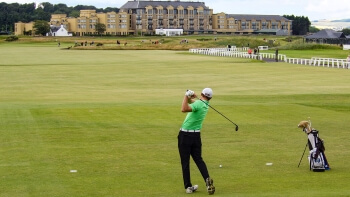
{"x": 24, "y": 28}
{"x": 328, "y": 36}
{"x": 251, "y": 24}
{"x": 145, "y": 17}
{"x": 58, "y": 31}
{"x": 169, "y": 32}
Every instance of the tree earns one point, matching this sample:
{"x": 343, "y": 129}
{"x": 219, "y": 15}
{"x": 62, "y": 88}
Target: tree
{"x": 346, "y": 31}
{"x": 313, "y": 29}
{"x": 300, "y": 25}
{"x": 41, "y": 27}
{"x": 100, "y": 28}
{"x": 74, "y": 13}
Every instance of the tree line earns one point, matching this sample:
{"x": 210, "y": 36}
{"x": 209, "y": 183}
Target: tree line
{"x": 15, "y": 12}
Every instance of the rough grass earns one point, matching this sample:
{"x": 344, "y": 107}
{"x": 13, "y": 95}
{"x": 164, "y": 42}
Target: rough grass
{"x": 114, "y": 116}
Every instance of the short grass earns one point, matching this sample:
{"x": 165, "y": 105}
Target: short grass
{"x": 114, "y": 115}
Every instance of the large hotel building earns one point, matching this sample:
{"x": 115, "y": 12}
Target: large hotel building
{"x": 139, "y": 17}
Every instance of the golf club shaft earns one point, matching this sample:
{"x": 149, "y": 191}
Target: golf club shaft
{"x": 220, "y": 114}
{"x": 302, "y": 155}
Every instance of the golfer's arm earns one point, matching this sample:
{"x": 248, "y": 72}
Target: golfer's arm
{"x": 185, "y": 105}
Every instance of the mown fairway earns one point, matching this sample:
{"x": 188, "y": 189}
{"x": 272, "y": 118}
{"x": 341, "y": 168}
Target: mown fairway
{"x": 114, "y": 117}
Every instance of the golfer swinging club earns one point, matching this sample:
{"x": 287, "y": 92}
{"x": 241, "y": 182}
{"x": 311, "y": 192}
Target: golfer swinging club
{"x": 189, "y": 139}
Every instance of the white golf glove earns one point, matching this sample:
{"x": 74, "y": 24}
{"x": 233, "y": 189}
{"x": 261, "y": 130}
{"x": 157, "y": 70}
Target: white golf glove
{"x": 189, "y": 93}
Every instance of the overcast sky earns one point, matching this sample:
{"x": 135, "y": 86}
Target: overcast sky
{"x": 314, "y": 9}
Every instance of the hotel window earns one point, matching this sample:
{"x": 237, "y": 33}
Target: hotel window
{"x": 254, "y": 25}
{"x": 274, "y": 25}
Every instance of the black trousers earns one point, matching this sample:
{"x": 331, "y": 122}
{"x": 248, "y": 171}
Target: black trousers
{"x": 190, "y": 144}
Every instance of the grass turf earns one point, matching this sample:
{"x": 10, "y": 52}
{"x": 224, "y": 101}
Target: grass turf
{"x": 114, "y": 117}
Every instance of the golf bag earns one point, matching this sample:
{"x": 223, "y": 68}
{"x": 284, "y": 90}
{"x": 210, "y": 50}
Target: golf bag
{"x": 317, "y": 158}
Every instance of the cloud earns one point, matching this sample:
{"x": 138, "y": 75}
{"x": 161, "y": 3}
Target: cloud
{"x": 326, "y": 9}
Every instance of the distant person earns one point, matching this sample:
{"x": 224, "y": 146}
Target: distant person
{"x": 348, "y": 60}
{"x": 250, "y": 51}
{"x": 276, "y": 53}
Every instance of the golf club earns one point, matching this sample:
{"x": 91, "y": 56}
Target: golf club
{"x": 302, "y": 155}
{"x": 220, "y": 114}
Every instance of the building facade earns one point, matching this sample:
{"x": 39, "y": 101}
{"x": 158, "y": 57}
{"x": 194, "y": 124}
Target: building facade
{"x": 23, "y": 28}
{"x": 251, "y": 24}
{"x": 145, "y": 17}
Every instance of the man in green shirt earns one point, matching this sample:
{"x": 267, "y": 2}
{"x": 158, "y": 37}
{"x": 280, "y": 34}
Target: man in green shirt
{"x": 189, "y": 139}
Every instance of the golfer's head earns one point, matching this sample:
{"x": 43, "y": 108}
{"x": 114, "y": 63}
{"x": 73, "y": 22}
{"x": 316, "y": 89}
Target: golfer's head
{"x": 207, "y": 93}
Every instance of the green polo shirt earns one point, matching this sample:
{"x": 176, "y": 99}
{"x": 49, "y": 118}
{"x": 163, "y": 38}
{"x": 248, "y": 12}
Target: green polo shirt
{"x": 194, "y": 119}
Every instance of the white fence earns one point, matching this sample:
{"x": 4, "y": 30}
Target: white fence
{"x": 237, "y": 52}
{"x": 226, "y": 52}
{"x": 323, "y": 62}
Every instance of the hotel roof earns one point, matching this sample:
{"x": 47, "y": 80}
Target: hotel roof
{"x": 142, "y": 4}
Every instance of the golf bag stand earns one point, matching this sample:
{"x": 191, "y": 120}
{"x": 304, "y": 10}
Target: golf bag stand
{"x": 317, "y": 159}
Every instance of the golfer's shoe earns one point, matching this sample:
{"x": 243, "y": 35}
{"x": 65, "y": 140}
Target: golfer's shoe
{"x": 210, "y": 187}
{"x": 192, "y": 189}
